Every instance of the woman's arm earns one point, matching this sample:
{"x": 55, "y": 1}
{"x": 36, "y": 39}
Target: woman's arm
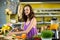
{"x": 32, "y": 24}
{"x": 10, "y": 32}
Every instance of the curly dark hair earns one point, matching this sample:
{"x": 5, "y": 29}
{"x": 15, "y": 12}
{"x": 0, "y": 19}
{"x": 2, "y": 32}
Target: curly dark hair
{"x": 31, "y": 14}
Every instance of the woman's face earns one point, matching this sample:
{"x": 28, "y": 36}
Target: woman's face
{"x": 27, "y": 10}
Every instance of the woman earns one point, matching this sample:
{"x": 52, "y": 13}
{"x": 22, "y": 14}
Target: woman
{"x": 29, "y": 22}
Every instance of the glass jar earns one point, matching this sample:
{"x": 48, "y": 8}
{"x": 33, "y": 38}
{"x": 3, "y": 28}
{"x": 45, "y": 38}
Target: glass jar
{"x": 54, "y": 23}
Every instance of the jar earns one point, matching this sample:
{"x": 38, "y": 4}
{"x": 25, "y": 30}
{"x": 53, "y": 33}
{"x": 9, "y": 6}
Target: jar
{"x": 54, "y": 24}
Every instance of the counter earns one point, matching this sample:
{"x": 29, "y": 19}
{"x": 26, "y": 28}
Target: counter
{"x": 9, "y": 38}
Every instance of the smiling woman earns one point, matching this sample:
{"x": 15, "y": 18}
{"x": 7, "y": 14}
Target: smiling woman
{"x": 30, "y": 22}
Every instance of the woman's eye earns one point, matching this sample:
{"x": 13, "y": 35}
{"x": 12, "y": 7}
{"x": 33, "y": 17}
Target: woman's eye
{"x": 26, "y": 10}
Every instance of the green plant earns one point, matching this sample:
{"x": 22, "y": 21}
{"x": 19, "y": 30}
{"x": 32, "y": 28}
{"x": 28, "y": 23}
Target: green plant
{"x": 47, "y": 34}
{"x": 37, "y": 36}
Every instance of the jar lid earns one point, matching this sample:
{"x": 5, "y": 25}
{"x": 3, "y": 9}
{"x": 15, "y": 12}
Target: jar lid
{"x": 54, "y": 18}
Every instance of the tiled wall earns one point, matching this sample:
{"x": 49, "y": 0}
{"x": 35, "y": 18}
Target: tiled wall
{"x": 2, "y": 12}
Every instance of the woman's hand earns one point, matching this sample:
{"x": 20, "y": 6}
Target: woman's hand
{"x": 10, "y": 34}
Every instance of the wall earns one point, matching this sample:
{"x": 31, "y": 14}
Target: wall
{"x": 44, "y": 5}
{"x": 2, "y": 12}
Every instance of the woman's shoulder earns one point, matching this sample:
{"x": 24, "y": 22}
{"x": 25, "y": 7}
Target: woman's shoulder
{"x": 33, "y": 19}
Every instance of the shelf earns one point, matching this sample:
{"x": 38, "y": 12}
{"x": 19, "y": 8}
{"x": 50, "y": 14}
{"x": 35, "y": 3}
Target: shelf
{"x": 46, "y": 12}
{"x": 37, "y": 2}
{"x": 20, "y": 23}
{"x": 37, "y": 22}
{"x": 45, "y": 15}
{"x": 46, "y": 9}
{"x": 42, "y": 22}
{"x": 47, "y": 22}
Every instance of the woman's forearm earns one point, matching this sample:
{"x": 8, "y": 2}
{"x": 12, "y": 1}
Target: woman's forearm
{"x": 21, "y": 32}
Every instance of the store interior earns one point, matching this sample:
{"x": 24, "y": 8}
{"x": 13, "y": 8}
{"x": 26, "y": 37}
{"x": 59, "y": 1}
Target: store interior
{"x": 47, "y": 14}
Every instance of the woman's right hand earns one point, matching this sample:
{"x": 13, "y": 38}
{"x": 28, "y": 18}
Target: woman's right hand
{"x": 9, "y": 34}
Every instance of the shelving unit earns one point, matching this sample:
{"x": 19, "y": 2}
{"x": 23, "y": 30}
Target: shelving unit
{"x": 44, "y": 11}
{"x": 45, "y": 16}
{"x": 11, "y": 17}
